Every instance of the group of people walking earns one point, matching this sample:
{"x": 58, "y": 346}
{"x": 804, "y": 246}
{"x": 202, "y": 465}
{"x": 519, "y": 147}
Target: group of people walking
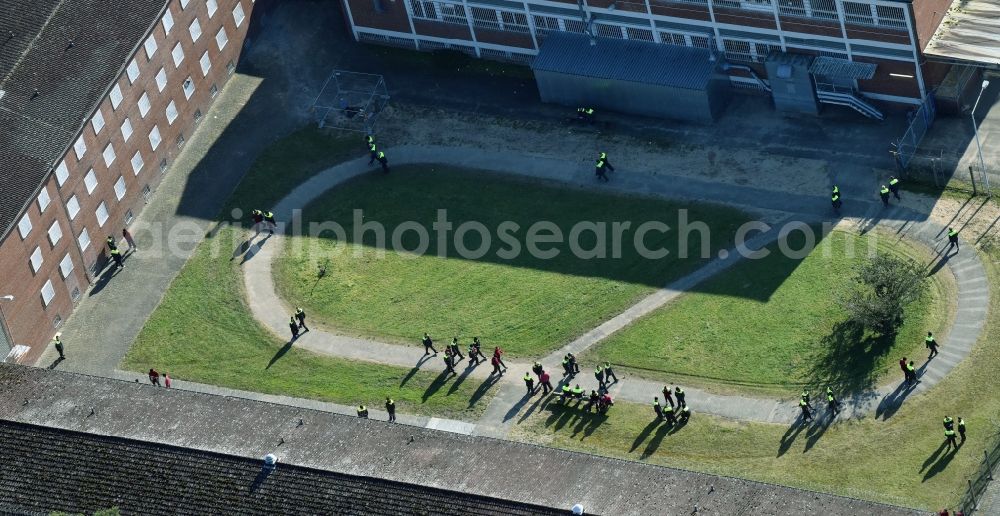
{"x": 453, "y": 355}
{"x": 805, "y": 403}
{"x": 263, "y": 220}
{"x": 297, "y": 323}
{"x": 376, "y": 154}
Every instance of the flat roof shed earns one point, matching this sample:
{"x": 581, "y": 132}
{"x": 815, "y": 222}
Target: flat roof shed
{"x": 630, "y": 76}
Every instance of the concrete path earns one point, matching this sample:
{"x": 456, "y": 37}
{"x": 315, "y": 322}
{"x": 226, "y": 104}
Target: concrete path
{"x": 973, "y": 291}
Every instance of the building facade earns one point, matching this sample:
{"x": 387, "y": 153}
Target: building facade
{"x": 888, "y": 33}
{"x": 56, "y": 247}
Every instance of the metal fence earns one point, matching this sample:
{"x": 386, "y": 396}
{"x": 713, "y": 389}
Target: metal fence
{"x": 920, "y": 121}
{"x": 978, "y": 482}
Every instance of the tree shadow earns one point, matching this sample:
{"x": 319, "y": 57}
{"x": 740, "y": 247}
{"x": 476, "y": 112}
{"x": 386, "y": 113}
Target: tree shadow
{"x": 281, "y": 352}
{"x": 436, "y": 385}
{"x": 943, "y": 459}
{"x": 848, "y": 358}
{"x": 791, "y": 434}
{"x": 413, "y": 372}
{"x": 483, "y": 389}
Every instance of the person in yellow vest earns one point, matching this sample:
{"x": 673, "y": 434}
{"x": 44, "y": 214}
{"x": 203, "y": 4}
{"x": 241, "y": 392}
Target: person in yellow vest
{"x": 883, "y": 192}
{"x": 57, "y": 341}
{"x": 894, "y": 187}
{"x": 363, "y": 411}
{"x": 931, "y": 345}
{"x": 953, "y": 240}
{"x": 390, "y": 407}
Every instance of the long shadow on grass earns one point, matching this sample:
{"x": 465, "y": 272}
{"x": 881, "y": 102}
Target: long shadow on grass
{"x": 281, "y": 352}
{"x": 816, "y": 430}
{"x": 791, "y": 434}
{"x": 892, "y": 401}
{"x": 413, "y": 371}
{"x": 944, "y": 456}
{"x": 469, "y": 368}
{"x": 436, "y": 384}
{"x": 483, "y": 389}
{"x": 848, "y": 358}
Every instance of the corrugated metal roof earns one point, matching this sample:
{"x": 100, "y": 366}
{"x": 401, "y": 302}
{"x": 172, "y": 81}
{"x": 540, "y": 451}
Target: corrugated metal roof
{"x": 834, "y": 67}
{"x": 625, "y": 60}
{"x": 968, "y": 33}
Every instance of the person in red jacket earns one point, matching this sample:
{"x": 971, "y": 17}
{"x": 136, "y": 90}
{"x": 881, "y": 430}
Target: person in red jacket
{"x": 545, "y": 382}
{"x": 154, "y": 377}
{"x": 498, "y": 354}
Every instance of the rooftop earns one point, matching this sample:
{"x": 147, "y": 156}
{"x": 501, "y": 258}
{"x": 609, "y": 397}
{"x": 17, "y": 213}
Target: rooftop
{"x": 48, "y": 470}
{"x": 625, "y": 60}
{"x": 323, "y": 442}
{"x": 57, "y": 60}
{"x": 969, "y": 32}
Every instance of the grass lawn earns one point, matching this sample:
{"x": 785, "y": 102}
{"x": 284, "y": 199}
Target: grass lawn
{"x": 774, "y": 324}
{"x": 527, "y": 305}
{"x": 203, "y": 331}
{"x": 897, "y": 460}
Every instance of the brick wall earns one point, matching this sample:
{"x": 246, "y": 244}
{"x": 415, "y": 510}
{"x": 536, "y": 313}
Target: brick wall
{"x": 33, "y": 324}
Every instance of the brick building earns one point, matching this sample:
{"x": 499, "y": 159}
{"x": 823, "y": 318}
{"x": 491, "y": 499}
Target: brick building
{"x": 891, "y": 34}
{"x": 96, "y": 99}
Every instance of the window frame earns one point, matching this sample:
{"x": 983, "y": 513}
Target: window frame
{"x": 142, "y": 162}
{"x": 97, "y": 122}
{"x": 47, "y": 288}
{"x": 90, "y": 181}
{"x": 109, "y": 155}
{"x": 115, "y": 96}
{"x": 63, "y": 266}
{"x": 73, "y": 206}
{"x": 102, "y": 209}
{"x": 57, "y": 229}
{"x": 127, "y": 122}
{"x": 37, "y": 253}
{"x": 25, "y": 221}
{"x": 225, "y": 38}
{"x": 178, "y": 49}
{"x": 48, "y": 199}
{"x": 150, "y": 42}
{"x": 159, "y": 137}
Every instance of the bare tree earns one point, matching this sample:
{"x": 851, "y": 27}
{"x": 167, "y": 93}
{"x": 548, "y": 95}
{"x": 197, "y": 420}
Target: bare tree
{"x": 883, "y": 287}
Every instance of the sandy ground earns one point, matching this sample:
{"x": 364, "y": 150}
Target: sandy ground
{"x": 407, "y": 123}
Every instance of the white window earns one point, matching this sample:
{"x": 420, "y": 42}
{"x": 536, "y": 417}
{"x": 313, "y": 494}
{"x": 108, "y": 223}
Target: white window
{"x": 109, "y": 155}
{"x": 36, "y": 260}
{"x": 212, "y": 7}
{"x": 238, "y": 14}
{"x": 161, "y": 79}
{"x": 116, "y": 96}
{"x": 137, "y": 162}
{"x": 24, "y": 226}
{"x": 66, "y": 266}
{"x": 72, "y": 207}
{"x": 154, "y": 137}
{"x": 97, "y": 122}
{"x": 171, "y": 112}
{"x": 168, "y": 21}
{"x": 43, "y": 199}
{"x": 90, "y": 181}
{"x": 120, "y": 188}
{"x": 221, "y": 39}
{"x": 132, "y": 71}
{"x": 184, "y": 3}
{"x": 206, "y": 63}
{"x": 102, "y": 214}
{"x": 195, "y": 30}
{"x": 48, "y": 293}
{"x": 62, "y": 173}
{"x": 143, "y": 104}
{"x": 178, "y": 53}
{"x": 150, "y": 45}
{"x": 126, "y": 129}
{"x": 80, "y": 147}
{"x": 83, "y": 239}
{"x": 188, "y": 88}
{"x": 55, "y": 233}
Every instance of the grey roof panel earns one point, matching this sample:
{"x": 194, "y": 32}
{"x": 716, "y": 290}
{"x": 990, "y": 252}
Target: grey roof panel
{"x": 625, "y": 60}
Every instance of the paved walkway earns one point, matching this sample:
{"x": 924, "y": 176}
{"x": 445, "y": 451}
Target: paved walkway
{"x": 973, "y": 293}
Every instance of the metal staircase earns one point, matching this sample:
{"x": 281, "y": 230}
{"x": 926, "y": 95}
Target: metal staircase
{"x": 841, "y": 96}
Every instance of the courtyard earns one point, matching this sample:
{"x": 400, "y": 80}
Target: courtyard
{"x": 742, "y": 336}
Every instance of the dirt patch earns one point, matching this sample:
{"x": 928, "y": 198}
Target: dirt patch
{"x": 581, "y": 144}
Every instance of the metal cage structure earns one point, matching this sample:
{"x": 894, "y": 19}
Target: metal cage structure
{"x": 350, "y": 101}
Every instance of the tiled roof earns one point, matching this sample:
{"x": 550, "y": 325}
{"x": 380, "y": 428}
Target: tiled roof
{"x": 48, "y": 470}
{"x": 35, "y": 54}
{"x": 625, "y": 60}
{"x": 322, "y": 441}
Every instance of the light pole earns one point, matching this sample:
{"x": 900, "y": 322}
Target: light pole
{"x": 8, "y": 340}
{"x": 979, "y": 146}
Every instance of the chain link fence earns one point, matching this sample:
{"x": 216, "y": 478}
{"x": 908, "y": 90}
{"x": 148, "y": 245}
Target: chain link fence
{"x": 980, "y": 481}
